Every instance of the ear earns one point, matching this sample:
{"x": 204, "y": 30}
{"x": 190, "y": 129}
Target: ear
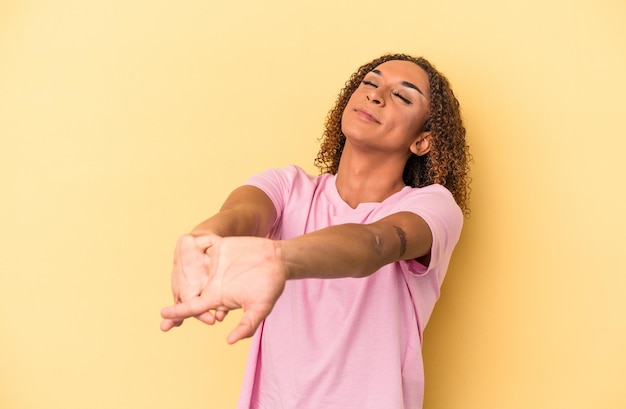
{"x": 421, "y": 145}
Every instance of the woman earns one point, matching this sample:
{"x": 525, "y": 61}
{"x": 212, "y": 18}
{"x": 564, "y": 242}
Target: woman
{"x": 349, "y": 263}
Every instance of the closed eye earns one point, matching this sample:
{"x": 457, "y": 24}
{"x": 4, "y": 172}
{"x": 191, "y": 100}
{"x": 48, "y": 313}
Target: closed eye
{"x": 404, "y": 99}
{"x": 369, "y": 83}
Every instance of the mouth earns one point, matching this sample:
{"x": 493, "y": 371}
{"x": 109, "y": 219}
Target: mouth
{"x": 367, "y": 115}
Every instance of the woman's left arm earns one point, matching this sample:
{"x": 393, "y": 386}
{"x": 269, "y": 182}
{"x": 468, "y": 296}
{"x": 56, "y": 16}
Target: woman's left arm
{"x": 250, "y": 272}
{"x": 356, "y": 250}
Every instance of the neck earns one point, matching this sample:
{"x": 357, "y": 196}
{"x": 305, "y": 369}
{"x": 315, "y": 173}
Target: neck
{"x": 368, "y": 178}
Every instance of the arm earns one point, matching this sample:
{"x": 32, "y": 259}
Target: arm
{"x": 250, "y": 272}
{"x": 246, "y": 212}
{"x": 356, "y": 250}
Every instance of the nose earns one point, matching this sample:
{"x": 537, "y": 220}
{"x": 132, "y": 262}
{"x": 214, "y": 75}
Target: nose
{"x": 376, "y": 98}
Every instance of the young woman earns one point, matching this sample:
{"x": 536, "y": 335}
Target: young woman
{"x": 338, "y": 274}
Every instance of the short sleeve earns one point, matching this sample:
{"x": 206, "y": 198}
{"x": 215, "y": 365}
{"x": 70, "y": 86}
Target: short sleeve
{"x": 288, "y": 188}
{"x": 435, "y": 204}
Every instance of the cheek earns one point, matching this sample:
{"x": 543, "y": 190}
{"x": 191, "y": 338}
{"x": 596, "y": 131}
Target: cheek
{"x": 345, "y": 122}
{"x": 413, "y": 125}
{"x": 343, "y": 116}
{"x": 350, "y": 102}
{"x": 418, "y": 120}
{"x": 347, "y": 108}
{"x": 418, "y": 126}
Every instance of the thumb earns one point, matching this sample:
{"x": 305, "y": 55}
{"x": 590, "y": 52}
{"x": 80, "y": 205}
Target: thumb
{"x": 205, "y": 241}
{"x": 247, "y": 326}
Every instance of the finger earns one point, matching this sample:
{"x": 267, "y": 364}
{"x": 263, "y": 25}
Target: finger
{"x": 220, "y": 315}
{"x": 207, "y": 318}
{"x": 168, "y": 324}
{"x": 241, "y": 331}
{"x": 204, "y": 242}
{"x": 190, "y": 308}
{"x": 247, "y": 326}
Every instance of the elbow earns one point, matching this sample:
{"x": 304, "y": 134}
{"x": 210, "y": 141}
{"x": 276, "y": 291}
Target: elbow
{"x": 377, "y": 254}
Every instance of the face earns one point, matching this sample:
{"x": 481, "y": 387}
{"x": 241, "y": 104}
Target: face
{"x": 389, "y": 108}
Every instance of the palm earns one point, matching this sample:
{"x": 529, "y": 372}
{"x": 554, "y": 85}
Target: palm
{"x": 249, "y": 273}
{"x": 244, "y": 272}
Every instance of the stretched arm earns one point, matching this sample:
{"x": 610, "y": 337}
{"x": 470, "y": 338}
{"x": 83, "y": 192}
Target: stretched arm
{"x": 250, "y": 272}
{"x": 356, "y": 250}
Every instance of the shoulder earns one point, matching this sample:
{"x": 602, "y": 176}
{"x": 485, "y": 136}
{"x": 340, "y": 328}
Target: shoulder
{"x": 284, "y": 177}
{"x": 431, "y": 196}
{"x": 288, "y": 184}
{"x": 434, "y": 203}
{"x": 436, "y": 206}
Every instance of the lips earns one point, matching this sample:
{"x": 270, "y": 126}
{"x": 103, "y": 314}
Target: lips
{"x": 367, "y": 115}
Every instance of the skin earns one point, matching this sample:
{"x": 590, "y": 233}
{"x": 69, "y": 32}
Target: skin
{"x": 382, "y": 131}
{"x": 226, "y": 263}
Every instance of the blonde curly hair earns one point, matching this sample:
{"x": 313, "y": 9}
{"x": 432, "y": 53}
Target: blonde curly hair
{"x": 447, "y": 162}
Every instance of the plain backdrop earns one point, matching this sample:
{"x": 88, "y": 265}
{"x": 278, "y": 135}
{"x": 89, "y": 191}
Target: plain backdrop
{"x": 125, "y": 123}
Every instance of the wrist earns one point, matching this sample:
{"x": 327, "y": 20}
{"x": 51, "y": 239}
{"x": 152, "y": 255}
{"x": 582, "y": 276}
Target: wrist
{"x": 282, "y": 248}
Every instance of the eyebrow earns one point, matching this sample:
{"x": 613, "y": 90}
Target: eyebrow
{"x": 404, "y": 83}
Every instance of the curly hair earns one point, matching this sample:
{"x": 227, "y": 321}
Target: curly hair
{"x": 447, "y": 162}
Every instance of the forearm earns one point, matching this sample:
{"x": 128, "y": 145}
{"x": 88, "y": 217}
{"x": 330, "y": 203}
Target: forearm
{"x": 355, "y": 250}
{"x": 228, "y": 222}
{"x": 246, "y": 212}
{"x": 349, "y": 250}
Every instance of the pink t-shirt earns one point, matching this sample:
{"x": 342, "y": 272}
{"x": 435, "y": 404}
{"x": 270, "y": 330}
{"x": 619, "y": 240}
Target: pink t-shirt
{"x": 348, "y": 343}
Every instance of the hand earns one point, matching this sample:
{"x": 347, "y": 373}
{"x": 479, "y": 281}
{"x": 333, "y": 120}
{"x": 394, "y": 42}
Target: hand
{"x": 243, "y": 272}
{"x": 190, "y": 273}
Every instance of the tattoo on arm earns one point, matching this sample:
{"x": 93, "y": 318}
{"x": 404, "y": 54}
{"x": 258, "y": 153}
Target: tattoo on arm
{"x": 402, "y": 236}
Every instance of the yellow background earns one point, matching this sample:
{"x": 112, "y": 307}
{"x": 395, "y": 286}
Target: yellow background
{"x": 124, "y": 123}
